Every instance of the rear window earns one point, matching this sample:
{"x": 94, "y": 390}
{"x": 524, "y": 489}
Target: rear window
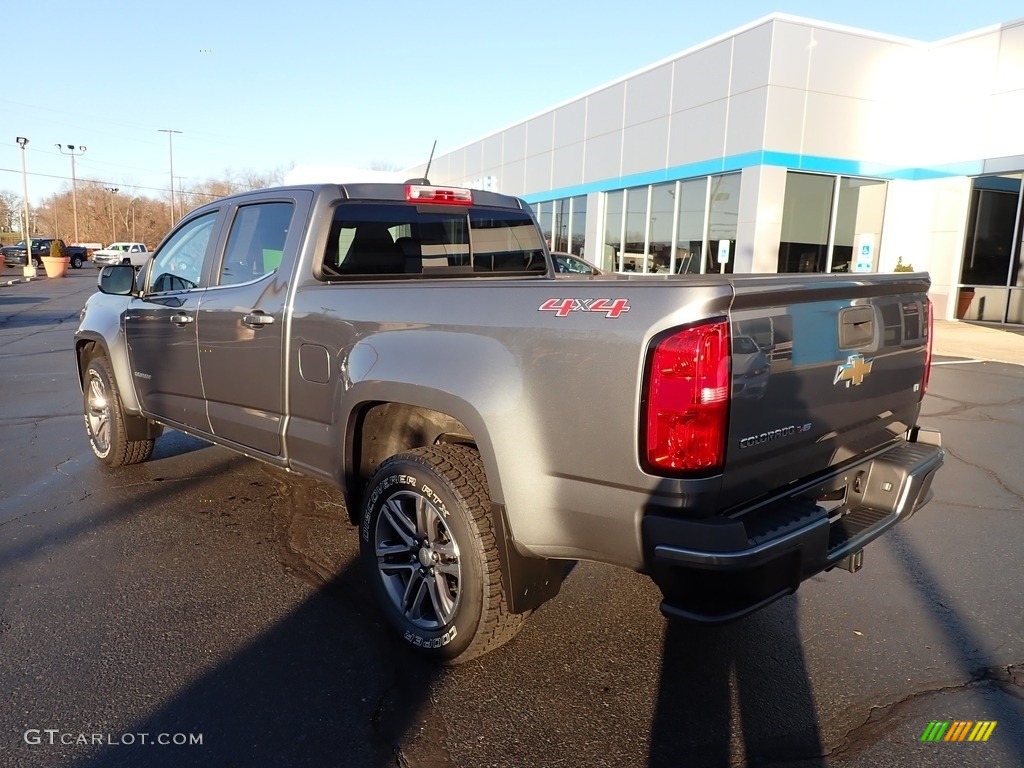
{"x": 387, "y": 240}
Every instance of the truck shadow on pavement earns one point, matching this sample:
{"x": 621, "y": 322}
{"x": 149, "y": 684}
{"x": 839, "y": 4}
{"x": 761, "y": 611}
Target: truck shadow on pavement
{"x": 977, "y": 667}
{"x": 718, "y": 688}
{"x": 312, "y": 691}
{"x": 324, "y": 684}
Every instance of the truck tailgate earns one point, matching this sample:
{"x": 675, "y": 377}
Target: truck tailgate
{"x": 823, "y": 372}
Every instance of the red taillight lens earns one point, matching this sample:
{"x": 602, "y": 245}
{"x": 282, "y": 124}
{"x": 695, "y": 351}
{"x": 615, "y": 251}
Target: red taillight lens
{"x": 928, "y": 353}
{"x": 687, "y": 406}
{"x": 418, "y": 193}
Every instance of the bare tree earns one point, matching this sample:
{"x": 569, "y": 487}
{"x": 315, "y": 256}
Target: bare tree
{"x": 9, "y": 206}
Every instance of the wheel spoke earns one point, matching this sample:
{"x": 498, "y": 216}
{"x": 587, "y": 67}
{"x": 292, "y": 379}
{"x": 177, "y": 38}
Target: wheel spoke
{"x": 449, "y": 568}
{"x": 423, "y": 515}
{"x": 103, "y": 432}
{"x": 415, "y": 591}
{"x": 97, "y": 397}
{"x": 411, "y": 568}
{"x": 442, "y": 601}
{"x": 399, "y": 523}
{"x": 388, "y": 549}
{"x": 446, "y": 549}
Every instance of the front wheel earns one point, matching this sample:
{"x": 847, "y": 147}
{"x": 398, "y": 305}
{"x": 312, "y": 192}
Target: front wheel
{"x": 427, "y": 537}
{"x": 105, "y": 419}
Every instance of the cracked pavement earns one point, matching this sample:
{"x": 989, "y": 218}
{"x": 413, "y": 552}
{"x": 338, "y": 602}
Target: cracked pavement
{"x": 202, "y": 592}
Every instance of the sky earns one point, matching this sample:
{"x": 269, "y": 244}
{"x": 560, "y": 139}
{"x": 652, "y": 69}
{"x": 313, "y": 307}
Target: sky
{"x": 264, "y": 86}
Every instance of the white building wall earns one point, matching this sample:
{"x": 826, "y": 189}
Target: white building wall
{"x": 762, "y": 192}
{"x": 925, "y": 222}
{"x": 787, "y": 94}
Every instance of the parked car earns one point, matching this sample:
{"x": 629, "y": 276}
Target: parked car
{"x": 566, "y": 262}
{"x": 14, "y": 255}
{"x": 136, "y": 254}
{"x": 750, "y": 368}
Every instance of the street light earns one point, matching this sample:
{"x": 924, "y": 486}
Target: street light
{"x": 74, "y": 152}
{"x": 170, "y": 148}
{"x": 113, "y": 231}
{"x": 30, "y": 269}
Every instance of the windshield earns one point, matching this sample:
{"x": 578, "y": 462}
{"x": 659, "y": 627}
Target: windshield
{"x": 744, "y": 345}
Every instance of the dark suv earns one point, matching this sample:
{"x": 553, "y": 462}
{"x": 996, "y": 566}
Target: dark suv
{"x": 14, "y": 255}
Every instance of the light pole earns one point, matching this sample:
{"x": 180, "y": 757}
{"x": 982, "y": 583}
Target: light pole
{"x": 73, "y": 151}
{"x": 30, "y": 270}
{"x": 113, "y": 231}
{"x": 170, "y": 148}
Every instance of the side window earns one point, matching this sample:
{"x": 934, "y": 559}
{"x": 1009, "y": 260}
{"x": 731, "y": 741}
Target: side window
{"x": 256, "y": 243}
{"x": 179, "y": 264}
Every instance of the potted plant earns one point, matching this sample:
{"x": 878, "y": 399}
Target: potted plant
{"x": 963, "y": 301}
{"x": 901, "y": 267}
{"x": 56, "y": 263}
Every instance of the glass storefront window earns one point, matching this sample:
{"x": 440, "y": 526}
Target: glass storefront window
{"x": 722, "y": 221}
{"x": 543, "y": 211}
{"x": 690, "y": 237}
{"x": 663, "y": 203}
{"x": 633, "y": 256}
{"x": 990, "y": 227}
{"x": 578, "y": 225}
{"x": 561, "y": 230}
{"x": 806, "y": 215}
{"x": 612, "y": 245}
{"x": 858, "y": 223}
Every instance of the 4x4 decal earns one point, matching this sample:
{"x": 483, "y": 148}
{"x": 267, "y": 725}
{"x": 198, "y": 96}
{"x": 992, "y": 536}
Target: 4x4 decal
{"x": 562, "y": 307}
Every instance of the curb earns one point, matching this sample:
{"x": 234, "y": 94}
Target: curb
{"x": 17, "y": 280}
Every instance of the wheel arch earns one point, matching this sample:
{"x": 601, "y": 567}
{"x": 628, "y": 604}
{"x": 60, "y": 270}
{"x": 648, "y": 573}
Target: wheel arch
{"x": 381, "y": 429}
{"x": 92, "y": 345}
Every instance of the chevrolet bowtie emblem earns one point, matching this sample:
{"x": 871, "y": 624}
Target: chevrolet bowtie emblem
{"x": 853, "y": 371}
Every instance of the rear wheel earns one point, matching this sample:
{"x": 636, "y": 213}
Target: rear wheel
{"x": 77, "y": 261}
{"x": 105, "y": 419}
{"x": 427, "y": 537}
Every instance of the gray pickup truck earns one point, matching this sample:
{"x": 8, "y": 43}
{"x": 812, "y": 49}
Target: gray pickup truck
{"x": 490, "y": 420}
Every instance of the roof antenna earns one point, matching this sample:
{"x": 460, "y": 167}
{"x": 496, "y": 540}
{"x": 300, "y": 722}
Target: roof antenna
{"x": 424, "y": 178}
{"x": 426, "y": 173}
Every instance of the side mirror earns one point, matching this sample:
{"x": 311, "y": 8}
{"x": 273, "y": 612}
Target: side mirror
{"x": 117, "y": 280}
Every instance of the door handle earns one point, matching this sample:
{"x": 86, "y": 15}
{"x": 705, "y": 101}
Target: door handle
{"x": 257, "y": 319}
{"x": 181, "y": 320}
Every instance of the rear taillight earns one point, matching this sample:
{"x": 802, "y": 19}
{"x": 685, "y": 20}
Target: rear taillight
{"x": 686, "y": 409}
{"x": 930, "y": 325}
{"x": 418, "y": 193}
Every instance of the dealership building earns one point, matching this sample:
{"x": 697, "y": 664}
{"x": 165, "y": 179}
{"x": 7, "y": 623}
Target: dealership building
{"x": 788, "y": 145}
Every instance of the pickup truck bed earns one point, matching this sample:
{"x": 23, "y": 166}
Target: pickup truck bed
{"x": 490, "y": 420}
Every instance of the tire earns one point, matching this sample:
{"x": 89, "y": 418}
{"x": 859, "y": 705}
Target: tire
{"x": 105, "y": 419}
{"x": 76, "y": 262}
{"x": 37, "y": 263}
{"x": 126, "y": 262}
{"x": 427, "y": 539}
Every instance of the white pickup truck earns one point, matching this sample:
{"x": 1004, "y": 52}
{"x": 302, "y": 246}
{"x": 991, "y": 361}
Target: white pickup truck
{"x": 135, "y": 254}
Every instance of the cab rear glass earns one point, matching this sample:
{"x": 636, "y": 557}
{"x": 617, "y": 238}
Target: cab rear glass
{"x": 396, "y": 240}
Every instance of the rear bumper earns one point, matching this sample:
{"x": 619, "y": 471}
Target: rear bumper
{"x": 712, "y": 571}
